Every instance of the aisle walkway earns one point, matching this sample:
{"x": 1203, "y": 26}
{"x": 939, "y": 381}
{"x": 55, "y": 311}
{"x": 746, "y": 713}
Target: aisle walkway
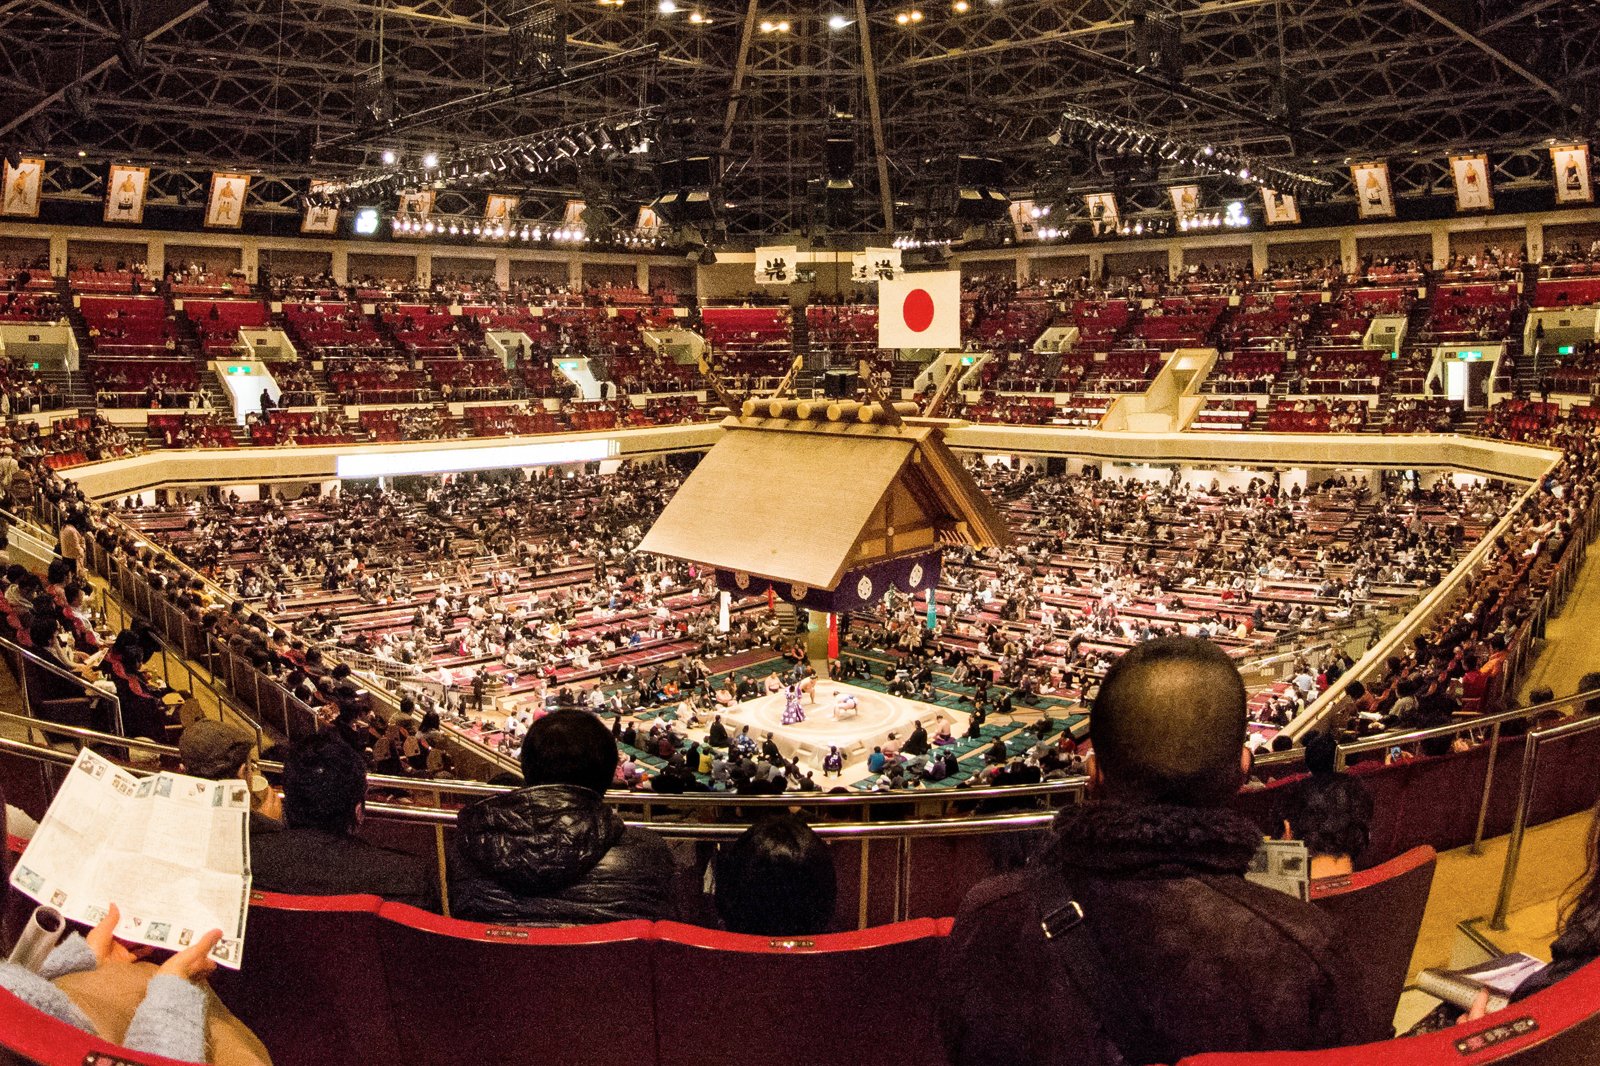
{"x": 1570, "y": 648}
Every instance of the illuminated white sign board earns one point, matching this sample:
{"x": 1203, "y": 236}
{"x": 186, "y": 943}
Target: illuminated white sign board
{"x": 456, "y": 460}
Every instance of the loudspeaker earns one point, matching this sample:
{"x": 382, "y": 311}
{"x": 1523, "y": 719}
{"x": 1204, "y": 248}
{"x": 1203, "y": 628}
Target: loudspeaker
{"x": 839, "y": 384}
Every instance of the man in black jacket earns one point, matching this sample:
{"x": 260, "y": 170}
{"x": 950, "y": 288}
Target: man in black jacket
{"x": 315, "y": 850}
{"x": 1159, "y": 948}
{"x": 553, "y": 853}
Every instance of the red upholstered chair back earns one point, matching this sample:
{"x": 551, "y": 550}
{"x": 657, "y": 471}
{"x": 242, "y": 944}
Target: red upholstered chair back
{"x": 494, "y": 995}
{"x": 1557, "y": 1027}
{"x": 312, "y": 982}
{"x": 727, "y": 999}
{"x": 1379, "y": 912}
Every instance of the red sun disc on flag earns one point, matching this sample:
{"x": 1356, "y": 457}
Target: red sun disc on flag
{"x": 918, "y": 310}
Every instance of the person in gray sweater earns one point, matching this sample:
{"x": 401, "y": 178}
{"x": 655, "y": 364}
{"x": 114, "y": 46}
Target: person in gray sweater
{"x": 171, "y": 1020}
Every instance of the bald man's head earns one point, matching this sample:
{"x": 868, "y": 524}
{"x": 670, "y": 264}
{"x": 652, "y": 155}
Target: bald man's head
{"x": 1169, "y": 724}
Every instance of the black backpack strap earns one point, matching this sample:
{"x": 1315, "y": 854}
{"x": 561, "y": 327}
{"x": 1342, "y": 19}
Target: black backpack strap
{"x": 1092, "y": 992}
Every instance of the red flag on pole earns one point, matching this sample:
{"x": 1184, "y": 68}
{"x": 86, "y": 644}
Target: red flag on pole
{"x": 833, "y": 635}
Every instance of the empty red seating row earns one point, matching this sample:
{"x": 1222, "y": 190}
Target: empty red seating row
{"x": 1566, "y": 291}
{"x": 618, "y": 993}
{"x": 1225, "y": 415}
{"x": 108, "y": 281}
{"x": 1377, "y": 301}
{"x": 28, "y": 306}
{"x": 125, "y": 375}
{"x": 467, "y": 372}
{"x": 724, "y": 324}
{"x": 1447, "y": 297}
{"x": 203, "y": 431}
{"x": 104, "y": 308}
{"x": 230, "y": 314}
{"x": 39, "y": 277}
{"x": 1317, "y": 418}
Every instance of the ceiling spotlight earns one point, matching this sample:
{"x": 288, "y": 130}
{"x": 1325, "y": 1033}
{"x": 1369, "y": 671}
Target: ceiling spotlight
{"x": 783, "y": 25}
{"x": 916, "y": 16}
{"x": 430, "y": 160}
{"x": 389, "y": 157}
{"x": 698, "y": 18}
{"x": 767, "y": 26}
{"x": 837, "y": 22}
{"x": 902, "y": 18}
{"x": 667, "y": 7}
{"x": 961, "y": 7}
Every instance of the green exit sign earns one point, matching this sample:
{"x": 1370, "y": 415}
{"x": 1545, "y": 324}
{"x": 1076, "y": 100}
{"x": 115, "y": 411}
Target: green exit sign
{"x": 33, "y": 366}
{"x": 968, "y": 360}
{"x": 1565, "y": 349}
{"x": 1469, "y": 357}
{"x": 241, "y": 370}
{"x": 569, "y": 365}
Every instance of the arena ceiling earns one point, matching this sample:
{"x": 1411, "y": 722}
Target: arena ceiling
{"x": 297, "y": 89}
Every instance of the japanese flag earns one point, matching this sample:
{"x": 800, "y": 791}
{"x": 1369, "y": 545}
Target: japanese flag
{"x": 920, "y": 310}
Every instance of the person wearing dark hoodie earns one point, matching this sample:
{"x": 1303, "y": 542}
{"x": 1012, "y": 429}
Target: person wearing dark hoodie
{"x": 1133, "y": 937}
{"x": 553, "y": 853}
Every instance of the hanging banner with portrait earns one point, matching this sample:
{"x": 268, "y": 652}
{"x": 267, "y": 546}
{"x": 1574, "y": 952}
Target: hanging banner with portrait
{"x": 21, "y": 189}
{"x": 319, "y": 217}
{"x": 1471, "y": 173}
{"x": 415, "y": 206}
{"x": 225, "y": 206}
{"x": 1279, "y": 208}
{"x": 1571, "y": 163}
{"x": 1373, "y": 196}
{"x": 1102, "y": 211}
{"x": 125, "y": 193}
{"x": 1185, "y": 200}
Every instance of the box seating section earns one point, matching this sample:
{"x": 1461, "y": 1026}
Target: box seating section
{"x": 351, "y": 979}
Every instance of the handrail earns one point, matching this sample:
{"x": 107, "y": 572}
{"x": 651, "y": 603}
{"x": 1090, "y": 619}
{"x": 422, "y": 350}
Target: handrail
{"x": 622, "y": 798}
{"x": 1519, "y": 821}
{"x": 1067, "y": 787}
{"x": 1384, "y": 741}
{"x": 90, "y": 690}
{"x": 441, "y": 816}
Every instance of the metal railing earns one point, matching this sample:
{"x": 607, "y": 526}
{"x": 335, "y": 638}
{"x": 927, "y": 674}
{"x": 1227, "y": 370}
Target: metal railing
{"x": 1559, "y": 579}
{"x": 1519, "y": 822}
{"x": 24, "y": 657}
{"x": 842, "y": 820}
{"x": 1493, "y": 722}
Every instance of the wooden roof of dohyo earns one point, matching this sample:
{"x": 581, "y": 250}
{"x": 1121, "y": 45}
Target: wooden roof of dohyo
{"x": 803, "y": 499}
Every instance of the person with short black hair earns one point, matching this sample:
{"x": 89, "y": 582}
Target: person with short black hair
{"x": 776, "y": 879}
{"x": 1332, "y": 814}
{"x": 316, "y": 850}
{"x": 553, "y": 853}
{"x": 1134, "y": 937}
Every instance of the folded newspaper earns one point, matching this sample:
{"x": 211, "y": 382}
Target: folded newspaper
{"x": 172, "y": 852}
{"x": 1500, "y": 975}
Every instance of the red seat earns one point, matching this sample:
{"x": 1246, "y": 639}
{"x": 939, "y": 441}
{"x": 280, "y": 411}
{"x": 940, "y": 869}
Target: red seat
{"x": 863, "y": 997}
{"x": 1557, "y": 1027}
{"x": 498, "y": 995}
{"x": 311, "y": 986}
{"x": 1379, "y": 912}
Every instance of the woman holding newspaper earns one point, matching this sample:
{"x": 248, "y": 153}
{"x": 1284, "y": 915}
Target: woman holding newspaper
{"x": 171, "y": 1018}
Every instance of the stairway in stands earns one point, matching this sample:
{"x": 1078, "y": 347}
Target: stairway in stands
{"x": 74, "y": 387}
